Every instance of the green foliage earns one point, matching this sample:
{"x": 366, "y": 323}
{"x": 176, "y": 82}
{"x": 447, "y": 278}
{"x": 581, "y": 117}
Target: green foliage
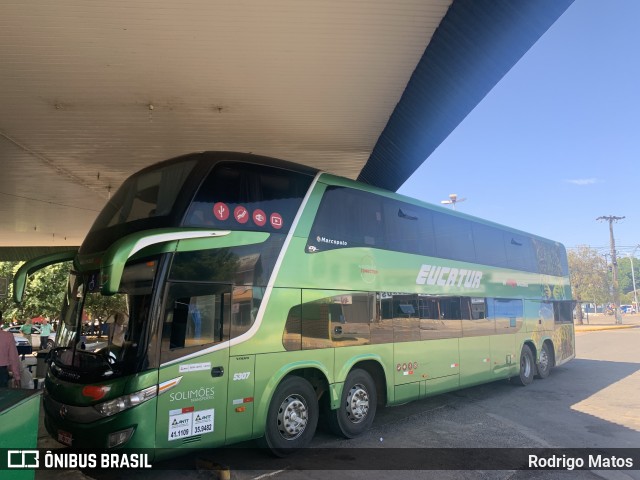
{"x": 45, "y": 292}
{"x": 8, "y": 308}
{"x": 102, "y": 307}
{"x": 625, "y": 279}
{"x": 43, "y": 295}
{"x": 589, "y": 275}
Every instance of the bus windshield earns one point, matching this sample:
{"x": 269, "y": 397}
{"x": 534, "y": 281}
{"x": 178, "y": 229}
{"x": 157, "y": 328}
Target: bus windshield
{"x": 147, "y": 194}
{"x": 120, "y": 345}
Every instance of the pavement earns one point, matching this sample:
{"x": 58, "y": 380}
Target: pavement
{"x": 601, "y": 321}
{"x": 595, "y": 322}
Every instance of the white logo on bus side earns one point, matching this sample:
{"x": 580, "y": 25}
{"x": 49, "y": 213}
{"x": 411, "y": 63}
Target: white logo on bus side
{"x": 241, "y": 376}
{"x": 448, "y": 277}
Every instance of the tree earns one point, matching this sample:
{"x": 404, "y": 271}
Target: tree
{"x": 625, "y": 278}
{"x": 101, "y": 307}
{"x": 44, "y": 294}
{"x": 589, "y": 282}
{"x": 9, "y": 309}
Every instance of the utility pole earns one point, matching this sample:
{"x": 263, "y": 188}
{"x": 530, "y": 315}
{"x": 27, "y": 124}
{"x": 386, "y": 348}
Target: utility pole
{"x": 614, "y": 265}
{"x": 633, "y": 279}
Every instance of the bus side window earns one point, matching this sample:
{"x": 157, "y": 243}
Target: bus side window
{"x": 292, "y": 335}
{"x": 196, "y": 316}
{"x": 178, "y": 327}
{"x": 406, "y": 322}
{"x": 349, "y": 218}
{"x": 563, "y": 311}
{"x": 478, "y": 318}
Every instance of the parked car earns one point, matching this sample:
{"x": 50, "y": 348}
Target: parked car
{"x": 13, "y": 329}
{"x": 22, "y": 344}
{"x": 21, "y": 340}
{"x": 35, "y": 332}
{"x": 51, "y": 340}
{"x": 35, "y": 329}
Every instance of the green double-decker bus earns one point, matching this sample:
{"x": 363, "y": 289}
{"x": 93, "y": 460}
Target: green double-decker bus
{"x": 256, "y": 294}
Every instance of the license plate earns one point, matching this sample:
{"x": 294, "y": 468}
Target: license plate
{"x": 65, "y": 437}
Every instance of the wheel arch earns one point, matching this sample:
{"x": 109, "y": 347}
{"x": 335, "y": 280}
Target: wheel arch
{"x": 532, "y": 346}
{"x": 535, "y": 350}
{"x": 374, "y": 366}
{"x": 525, "y": 377}
{"x": 314, "y": 372}
{"x": 552, "y": 349}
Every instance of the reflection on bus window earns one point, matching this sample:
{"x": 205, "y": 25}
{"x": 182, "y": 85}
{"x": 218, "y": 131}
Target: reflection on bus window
{"x": 196, "y": 315}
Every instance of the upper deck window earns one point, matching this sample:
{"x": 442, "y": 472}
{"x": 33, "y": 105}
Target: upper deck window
{"x": 240, "y": 196}
{"x": 352, "y": 218}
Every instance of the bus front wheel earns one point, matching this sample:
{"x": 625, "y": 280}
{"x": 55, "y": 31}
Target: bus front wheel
{"x": 527, "y": 367}
{"x": 292, "y": 417}
{"x": 357, "y": 405}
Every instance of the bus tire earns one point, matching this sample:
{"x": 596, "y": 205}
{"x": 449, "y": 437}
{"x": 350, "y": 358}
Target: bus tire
{"x": 357, "y": 405}
{"x": 527, "y": 367}
{"x": 292, "y": 416}
{"x": 545, "y": 362}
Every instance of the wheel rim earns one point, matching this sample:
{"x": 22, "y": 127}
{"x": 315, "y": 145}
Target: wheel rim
{"x": 544, "y": 360}
{"x": 292, "y": 417}
{"x": 357, "y": 404}
{"x": 525, "y": 366}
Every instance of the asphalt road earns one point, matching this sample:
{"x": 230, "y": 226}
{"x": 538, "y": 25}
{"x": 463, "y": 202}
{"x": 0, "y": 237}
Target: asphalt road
{"x": 591, "y": 402}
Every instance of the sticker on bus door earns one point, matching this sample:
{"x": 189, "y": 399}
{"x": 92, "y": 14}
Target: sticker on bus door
{"x": 180, "y": 423}
{"x": 203, "y": 422}
{"x": 187, "y": 422}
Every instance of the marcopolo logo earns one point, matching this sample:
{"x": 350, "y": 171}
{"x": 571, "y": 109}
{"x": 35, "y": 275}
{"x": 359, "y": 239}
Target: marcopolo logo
{"x": 448, "y": 277}
{"x": 331, "y": 241}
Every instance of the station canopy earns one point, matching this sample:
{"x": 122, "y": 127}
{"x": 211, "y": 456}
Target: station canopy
{"x": 91, "y": 92}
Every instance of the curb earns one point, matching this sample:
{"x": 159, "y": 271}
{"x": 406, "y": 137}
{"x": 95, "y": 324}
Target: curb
{"x": 598, "y": 328}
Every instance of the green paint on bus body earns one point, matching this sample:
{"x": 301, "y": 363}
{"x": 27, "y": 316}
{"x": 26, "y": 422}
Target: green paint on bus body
{"x": 220, "y": 393}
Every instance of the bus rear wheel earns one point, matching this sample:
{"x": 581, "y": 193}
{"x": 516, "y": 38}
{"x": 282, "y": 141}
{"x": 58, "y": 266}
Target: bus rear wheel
{"x": 545, "y": 362}
{"x": 357, "y": 405}
{"x": 525, "y": 377}
{"x": 292, "y": 416}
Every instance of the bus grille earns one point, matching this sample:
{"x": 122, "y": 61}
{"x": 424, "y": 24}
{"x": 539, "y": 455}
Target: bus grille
{"x": 192, "y": 439}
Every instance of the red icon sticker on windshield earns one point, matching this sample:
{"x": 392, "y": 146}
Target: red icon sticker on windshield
{"x": 276, "y": 220}
{"x": 259, "y": 217}
{"x": 221, "y": 211}
{"x": 241, "y": 214}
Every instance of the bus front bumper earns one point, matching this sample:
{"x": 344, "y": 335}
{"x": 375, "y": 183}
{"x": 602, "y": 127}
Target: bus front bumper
{"x": 82, "y": 427}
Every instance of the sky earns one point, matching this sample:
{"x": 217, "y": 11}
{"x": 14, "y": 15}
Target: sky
{"x": 556, "y": 143}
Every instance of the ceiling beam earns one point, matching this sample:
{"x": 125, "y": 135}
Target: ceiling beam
{"x": 475, "y": 45}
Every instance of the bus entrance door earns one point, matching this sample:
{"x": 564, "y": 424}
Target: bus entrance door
{"x": 194, "y": 375}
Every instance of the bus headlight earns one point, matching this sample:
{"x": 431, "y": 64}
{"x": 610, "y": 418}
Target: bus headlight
{"x": 125, "y": 402}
